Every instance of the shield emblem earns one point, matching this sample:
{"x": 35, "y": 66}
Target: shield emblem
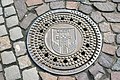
{"x": 63, "y": 40}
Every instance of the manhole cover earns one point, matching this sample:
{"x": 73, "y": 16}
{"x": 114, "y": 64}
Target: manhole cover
{"x": 64, "y": 41}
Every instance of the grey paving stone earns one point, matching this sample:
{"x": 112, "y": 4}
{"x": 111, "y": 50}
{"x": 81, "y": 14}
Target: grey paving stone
{"x": 118, "y": 39}
{"x": 116, "y": 66}
{"x": 97, "y": 17}
{"x": 3, "y": 30}
{"x": 115, "y": 75}
{"x": 104, "y": 27}
{"x": 1, "y": 67}
{"x": 72, "y": 5}
{"x": 15, "y": 33}
{"x": 28, "y": 19}
{"x": 118, "y": 7}
{"x": 109, "y": 37}
{"x": 20, "y": 8}
{"x": 118, "y": 52}
{"x": 66, "y": 78}
{"x": 108, "y": 6}
{"x": 115, "y": 27}
{"x": 12, "y": 21}
{"x": 85, "y": 8}
{"x": 1, "y": 76}
{"x": 98, "y": 0}
{"x": 57, "y": 4}
{"x": 33, "y": 2}
{"x": 98, "y": 76}
{"x": 94, "y": 70}
{"x": 106, "y": 79}
{"x": 12, "y": 73}
{"x": 82, "y": 76}
{"x": 116, "y": 0}
{"x": 1, "y": 20}
{"x": 112, "y": 17}
{"x": 49, "y": 0}
{"x": 6, "y": 2}
{"x": 109, "y": 49}
{"x": 47, "y": 76}
{"x": 106, "y": 60}
{"x": 24, "y": 61}
{"x": 42, "y": 9}
{"x": 30, "y": 74}
{"x": 4, "y": 43}
{"x": 8, "y": 11}
{"x": 1, "y": 12}
{"x": 8, "y": 57}
{"x": 20, "y": 48}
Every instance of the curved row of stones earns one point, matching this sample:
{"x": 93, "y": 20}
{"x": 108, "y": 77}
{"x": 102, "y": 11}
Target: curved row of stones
{"x": 16, "y": 16}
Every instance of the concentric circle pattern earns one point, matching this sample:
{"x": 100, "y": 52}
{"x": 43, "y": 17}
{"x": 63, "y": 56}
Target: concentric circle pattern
{"x": 64, "y": 41}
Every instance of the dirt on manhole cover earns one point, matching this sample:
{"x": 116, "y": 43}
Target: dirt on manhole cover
{"x": 64, "y": 41}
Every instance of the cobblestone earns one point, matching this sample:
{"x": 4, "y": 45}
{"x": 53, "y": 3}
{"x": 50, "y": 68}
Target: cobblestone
{"x": 118, "y": 52}
{"x": 3, "y": 30}
{"x": 42, "y": 9}
{"x": 49, "y": 0}
{"x": 115, "y": 27}
{"x": 106, "y": 60}
{"x": 8, "y": 57}
{"x": 30, "y": 74}
{"x": 97, "y": 17}
{"x": 20, "y": 48}
{"x": 104, "y": 27}
{"x": 66, "y": 78}
{"x": 109, "y": 49}
{"x": 20, "y": 8}
{"x": 116, "y": 66}
{"x": 6, "y": 2}
{"x": 115, "y": 75}
{"x": 28, "y": 19}
{"x": 85, "y": 8}
{"x": 116, "y": 0}
{"x": 12, "y": 21}
{"x": 72, "y": 5}
{"x": 82, "y": 76}
{"x": 4, "y": 43}
{"x": 24, "y": 62}
{"x": 15, "y": 73}
{"x": 1, "y": 76}
{"x": 1, "y": 20}
{"x": 1, "y": 67}
{"x": 112, "y": 17}
{"x": 47, "y": 76}
{"x": 15, "y": 33}
{"x": 108, "y": 6}
{"x": 99, "y": 76}
{"x": 109, "y": 37}
{"x": 94, "y": 70}
{"x": 98, "y": 0}
{"x": 9, "y": 11}
{"x": 118, "y": 39}
{"x": 57, "y": 5}
{"x": 118, "y": 7}
{"x": 1, "y": 10}
{"x": 34, "y": 2}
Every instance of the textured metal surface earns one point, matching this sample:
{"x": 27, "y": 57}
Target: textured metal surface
{"x": 64, "y": 41}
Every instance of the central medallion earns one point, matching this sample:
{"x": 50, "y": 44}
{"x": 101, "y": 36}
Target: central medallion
{"x": 64, "y": 41}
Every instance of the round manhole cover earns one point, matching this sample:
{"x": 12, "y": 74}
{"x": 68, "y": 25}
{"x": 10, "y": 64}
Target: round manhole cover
{"x": 64, "y": 41}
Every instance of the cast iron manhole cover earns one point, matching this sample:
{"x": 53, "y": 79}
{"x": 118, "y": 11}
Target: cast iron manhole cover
{"x": 64, "y": 41}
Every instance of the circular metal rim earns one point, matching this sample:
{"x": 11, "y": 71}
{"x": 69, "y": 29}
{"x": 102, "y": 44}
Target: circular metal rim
{"x": 77, "y": 70}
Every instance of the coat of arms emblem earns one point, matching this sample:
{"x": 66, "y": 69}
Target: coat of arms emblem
{"x": 63, "y": 40}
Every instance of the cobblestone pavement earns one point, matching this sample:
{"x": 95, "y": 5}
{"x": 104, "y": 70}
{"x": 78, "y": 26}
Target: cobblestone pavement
{"x": 15, "y": 18}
